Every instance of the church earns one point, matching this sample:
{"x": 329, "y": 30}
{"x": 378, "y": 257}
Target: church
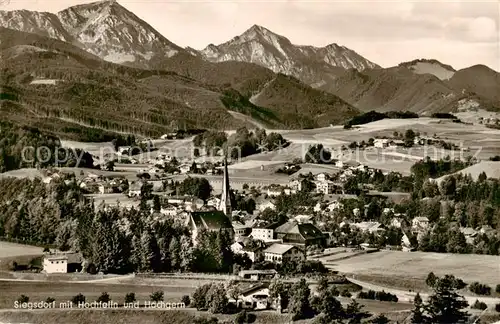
{"x": 216, "y": 220}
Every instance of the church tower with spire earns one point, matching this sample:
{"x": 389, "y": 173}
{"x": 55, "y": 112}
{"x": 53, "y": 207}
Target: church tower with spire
{"x": 225, "y": 199}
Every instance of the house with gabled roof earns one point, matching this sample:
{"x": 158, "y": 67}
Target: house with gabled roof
{"x": 240, "y": 229}
{"x": 279, "y": 253}
{"x": 303, "y": 234}
{"x": 265, "y": 232}
{"x": 254, "y": 297}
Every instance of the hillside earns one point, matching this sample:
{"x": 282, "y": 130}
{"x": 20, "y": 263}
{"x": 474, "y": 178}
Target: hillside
{"x": 67, "y": 91}
{"x": 91, "y": 92}
{"x": 302, "y": 106}
{"x": 313, "y": 65}
{"x": 393, "y": 89}
{"x": 481, "y": 82}
{"x": 490, "y": 168}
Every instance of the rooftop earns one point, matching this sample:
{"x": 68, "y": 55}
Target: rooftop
{"x": 277, "y": 248}
{"x": 211, "y": 219}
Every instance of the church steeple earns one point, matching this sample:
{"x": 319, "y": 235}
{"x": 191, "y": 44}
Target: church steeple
{"x": 225, "y": 200}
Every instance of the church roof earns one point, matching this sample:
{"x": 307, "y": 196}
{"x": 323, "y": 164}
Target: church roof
{"x": 211, "y": 220}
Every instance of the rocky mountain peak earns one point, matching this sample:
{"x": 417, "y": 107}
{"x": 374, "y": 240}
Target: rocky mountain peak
{"x": 103, "y": 28}
{"x": 41, "y": 23}
{"x": 308, "y": 63}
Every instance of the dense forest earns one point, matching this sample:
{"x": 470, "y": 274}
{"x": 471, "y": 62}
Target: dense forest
{"x": 372, "y": 116}
{"x": 112, "y": 240}
{"x": 240, "y": 144}
{"x": 81, "y": 92}
{"x": 28, "y": 147}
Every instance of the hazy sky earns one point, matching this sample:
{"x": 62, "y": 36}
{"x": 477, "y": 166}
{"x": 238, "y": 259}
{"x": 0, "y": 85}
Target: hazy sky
{"x": 458, "y": 33}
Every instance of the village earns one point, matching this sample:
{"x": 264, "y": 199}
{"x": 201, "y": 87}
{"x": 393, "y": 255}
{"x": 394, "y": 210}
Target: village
{"x": 245, "y": 226}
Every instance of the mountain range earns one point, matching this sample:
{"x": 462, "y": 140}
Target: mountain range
{"x": 114, "y": 71}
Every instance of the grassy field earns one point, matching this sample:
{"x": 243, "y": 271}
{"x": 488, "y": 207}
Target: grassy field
{"x": 481, "y": 140}
{"x": 64, "y": 291}
{"x": 109, "y": 316}
{"x": 22, "y": 254}
{"x": 492, "y": 170}
{"x": 187, "y": 316}
{"x": 416, "y": 265}
{"x": 8, "y": 249}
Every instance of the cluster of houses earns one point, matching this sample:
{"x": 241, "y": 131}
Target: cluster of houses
{"x": 280, "y": 241}
{"x": 488, "y": 120}
{"x": 393, "y": 143}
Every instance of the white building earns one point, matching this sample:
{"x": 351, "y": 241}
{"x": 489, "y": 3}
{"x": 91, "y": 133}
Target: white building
{"x": 321, "y": 177}
{"x": 55, "y": 264}
{"x": 255, "y": 297}
{"x": 335, "y": 205}
{"x": 371, "y": 227}
{"x": 279, "y": 253}
{"x": 295, "y": 184}
{"x": 325, "y": 186}
{"x": 185, "y": 168}
{"x": 381, "y": 143}
{"x": 236, "y": 247}
{"x": 170, "y": 210}
{"x": 266, "y": 204}
{"x": 274, "y": 191}
{"x": 420, "y": 224}
{"x": 265, "y": 234}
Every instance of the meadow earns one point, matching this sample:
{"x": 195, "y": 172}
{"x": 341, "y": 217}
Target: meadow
{"x": 415, "y": 266}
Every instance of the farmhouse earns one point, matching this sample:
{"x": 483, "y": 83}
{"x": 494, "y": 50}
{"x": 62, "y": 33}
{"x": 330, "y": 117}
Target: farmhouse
{"x": 55, "y": 264}
{"x": 296, "y": 184}
{"x": 108, "y": 187}
{"x": 254, "y": 297}
{"x": 62, "y": 262}
{"x": 135, "y": 189}
{"x": 469, "y": 233}
{"x": 302, "y": 234}
{"x": 279, "y": 253}
{"x": 273, "y": 191}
